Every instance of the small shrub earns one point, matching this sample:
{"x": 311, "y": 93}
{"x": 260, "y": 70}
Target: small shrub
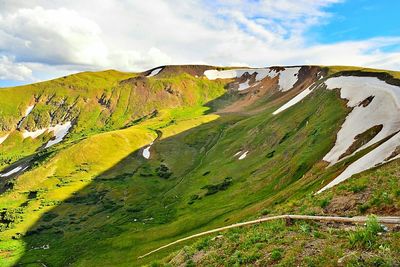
{"x": 212, "y": 189}
{"x": 317, "y": 234}
{"x": 366, "y": 237}
{"x": 276, "y": 254}
{"x": 202, "y": 244}
{"x": 3, "y": 227}
{"x": 32, "y": 194}
{"x": 193, "y": 198}
{"x": 285, "y": 137}
{"x": 250, "y": 257}
{"x": 163, "y": 171}
{"x": 10, "y": 217}
{"x": 364, "y": 207}
{"x": 271, "y": 154}
{"x": 324, "y": 202}
{"x": 305, "y": 228}
{"x": 17, "y": 236}
{"x": 265, "y": 212}
{"x": 358, "y": 188}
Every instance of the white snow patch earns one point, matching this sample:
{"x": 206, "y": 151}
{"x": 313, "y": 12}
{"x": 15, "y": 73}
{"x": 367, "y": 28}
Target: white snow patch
{"x": 244, "y": 86}
{"x": 237, "y": 73}
{"x": 2, "y": 139}
{"x": 223, "y": 74}
{"x": 243, "y": 155}
{"x": 60, "y": 131}
{"x": 294, "y": 100}
{"x": 146, "y": 151}
{"x": 384, "y": 109}
{"x": 27, "y": 112}
{"x": 370, "y": 160}
{"x": 237, "y": 153}
{"x": 155, "y": 72}
{"x": 287, "y": 78}
{"x": 15, "y": 170}
{"x": 33, "y": 134}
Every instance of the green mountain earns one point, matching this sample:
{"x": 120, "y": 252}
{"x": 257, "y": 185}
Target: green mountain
{"x": 99, "y": 168}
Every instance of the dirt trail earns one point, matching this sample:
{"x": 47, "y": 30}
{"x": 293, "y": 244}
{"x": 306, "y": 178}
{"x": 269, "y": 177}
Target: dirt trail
{"x": 355, "y": 220}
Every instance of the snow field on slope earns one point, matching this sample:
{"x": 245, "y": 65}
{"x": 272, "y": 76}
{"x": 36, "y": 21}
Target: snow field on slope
{"x": 244, "y": 155}
{"x": 294, "y": 100}
{"x": 59, "y": 132}
{"x": 155, "y": 72}
{"x": 374, "y": 158}
{"x": 383, "y": 109}
{"x": 15, "y": 170}
{"x": 287, "y": 77}
{"x": 27, "y": 112}
{"x": 146, "y": 151}
{"x": 2, "y": 139}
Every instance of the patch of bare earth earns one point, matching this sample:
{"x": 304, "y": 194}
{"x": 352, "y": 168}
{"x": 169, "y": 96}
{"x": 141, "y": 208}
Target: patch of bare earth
{"x": 5, "y": 254}
{"x": 347, "y": 204}
{"x": 395, "y": 153}
{"x": 268, "y": 89}
{"x": 194, "y": 70}
{"x": 254, "y": 93}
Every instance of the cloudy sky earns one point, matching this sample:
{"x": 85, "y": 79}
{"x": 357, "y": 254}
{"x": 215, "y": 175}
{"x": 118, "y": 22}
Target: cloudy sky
{"x": 43, "y": 39}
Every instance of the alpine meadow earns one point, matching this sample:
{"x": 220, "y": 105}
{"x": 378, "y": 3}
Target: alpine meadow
{"x": 211, "y": 146}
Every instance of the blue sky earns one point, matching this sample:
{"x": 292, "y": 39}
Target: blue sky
{"x": 43, "y": 39}
{"x": 358, "y": 20}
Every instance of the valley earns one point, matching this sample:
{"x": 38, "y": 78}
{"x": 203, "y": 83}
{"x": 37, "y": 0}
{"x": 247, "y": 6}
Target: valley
{"x": 99, "y": 168}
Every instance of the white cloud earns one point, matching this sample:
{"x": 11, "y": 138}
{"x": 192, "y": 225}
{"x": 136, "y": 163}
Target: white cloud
{"x": 10, "y": 70}
{"x": 133, "y": 35}
{"x": 51, "y": 36}
{"x": 129, "y": 59}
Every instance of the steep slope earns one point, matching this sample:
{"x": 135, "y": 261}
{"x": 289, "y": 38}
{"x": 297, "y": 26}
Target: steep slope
{"x": 84, "y": 104}
{"x": 155, "y": 156}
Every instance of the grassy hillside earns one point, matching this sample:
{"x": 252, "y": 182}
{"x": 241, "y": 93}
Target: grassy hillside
{"x": 310, "y": 243}
{"x": 94, "y": 200}
{"x": 94, "y": 103}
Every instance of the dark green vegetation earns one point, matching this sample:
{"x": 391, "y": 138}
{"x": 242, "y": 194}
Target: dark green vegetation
{"x": 375, "y": 191}
{"x": 93, "y": 200}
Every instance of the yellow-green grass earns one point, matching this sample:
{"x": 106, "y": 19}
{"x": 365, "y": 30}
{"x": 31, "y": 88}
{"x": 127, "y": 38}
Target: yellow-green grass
{"x": 208, "y": 147}
{"x": 295, "y": 244}
{"x": 335, "y": 69}
{"x": 80, "y": 163}
{"x": 95, "y": 102}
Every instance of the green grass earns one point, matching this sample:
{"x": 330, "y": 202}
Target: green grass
{"x": 373, "y": 191}
{"x": 279, "y": 244}
{"x": 367, "y": 236}
{"x": 95, "y": 102}
{"x": 335, "y": 69}
{"x": 189, "y": 153}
